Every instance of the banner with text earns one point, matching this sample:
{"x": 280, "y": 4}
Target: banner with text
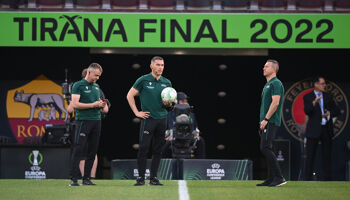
{"x": 174, "y": 30}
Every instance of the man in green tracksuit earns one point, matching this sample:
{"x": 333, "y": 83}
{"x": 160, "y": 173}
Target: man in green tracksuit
{"x": 153, "y": 115}
{"x": 87, "y": 107}
{"x": 270, "y": 120}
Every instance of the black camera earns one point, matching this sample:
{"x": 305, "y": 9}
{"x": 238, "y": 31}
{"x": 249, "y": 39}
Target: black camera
{"x": 182, "y": 136}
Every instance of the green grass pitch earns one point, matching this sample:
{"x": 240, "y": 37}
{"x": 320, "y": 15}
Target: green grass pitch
{"x": 16, "y": 189}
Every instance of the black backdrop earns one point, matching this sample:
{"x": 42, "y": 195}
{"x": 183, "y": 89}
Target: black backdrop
{"x": 198, "y": 76}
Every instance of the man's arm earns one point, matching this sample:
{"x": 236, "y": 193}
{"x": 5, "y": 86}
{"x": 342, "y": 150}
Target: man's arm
{"x": 273, "y": 106}
{"x": 79, "y": 105}
{"x": 131, "y": 100}
{"x": 272, "y": 109}
{"x": 309, "y": 105}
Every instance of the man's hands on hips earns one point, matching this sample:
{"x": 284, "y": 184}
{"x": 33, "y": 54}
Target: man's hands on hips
{"x": 141, "y": 114}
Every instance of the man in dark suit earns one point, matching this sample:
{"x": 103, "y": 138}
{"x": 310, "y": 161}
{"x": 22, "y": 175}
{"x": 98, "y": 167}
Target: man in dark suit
{"x": 321, "y": 110}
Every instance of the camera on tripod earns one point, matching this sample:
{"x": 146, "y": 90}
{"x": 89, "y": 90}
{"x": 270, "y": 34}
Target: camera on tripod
{"x": 182, "y": 137}
{"x": 60, "y": 133}
{"x": 67, "y": 88}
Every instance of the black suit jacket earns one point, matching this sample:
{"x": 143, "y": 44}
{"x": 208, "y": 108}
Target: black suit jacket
{"x": 313, "y": 127}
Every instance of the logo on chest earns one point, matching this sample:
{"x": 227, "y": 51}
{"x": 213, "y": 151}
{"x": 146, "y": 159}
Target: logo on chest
{"x": 150, "y": 86}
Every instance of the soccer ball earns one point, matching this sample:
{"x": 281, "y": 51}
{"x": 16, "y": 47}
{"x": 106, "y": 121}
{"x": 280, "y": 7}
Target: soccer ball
{"x": 169, "y": 94}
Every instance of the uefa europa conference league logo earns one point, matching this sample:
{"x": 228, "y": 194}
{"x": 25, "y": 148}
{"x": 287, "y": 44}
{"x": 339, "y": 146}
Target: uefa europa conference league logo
{"x": 294, "y": 117}
{"x": 35, "y": 159}
{"x": 215, "y": 173}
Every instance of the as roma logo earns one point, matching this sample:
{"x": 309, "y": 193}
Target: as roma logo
{"x": 293, "y": 115}
{"x": 32, "y": 106}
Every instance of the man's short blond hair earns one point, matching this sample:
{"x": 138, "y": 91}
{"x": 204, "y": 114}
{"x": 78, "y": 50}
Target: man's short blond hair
{"x": 95, "y": 66}
{"x": 275, "y": 64}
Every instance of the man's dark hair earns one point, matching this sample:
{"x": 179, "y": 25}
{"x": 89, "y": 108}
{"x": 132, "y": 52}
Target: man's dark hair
{"x": 156, "y": 58}
{"x": 316, "y": 79}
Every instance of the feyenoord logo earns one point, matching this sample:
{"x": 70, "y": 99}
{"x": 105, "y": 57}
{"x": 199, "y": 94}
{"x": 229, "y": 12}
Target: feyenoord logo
{"x": 293, "y": 115}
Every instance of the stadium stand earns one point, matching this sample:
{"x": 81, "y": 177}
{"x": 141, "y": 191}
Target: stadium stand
{"x": 162, "y": 4}
{"x": 224, "y": 6}
{"x": 341, "y": 5}
{"x": 90, "y": 4}
{"x": 235, "y": 4}
{"x": 50, "y": 3}
{"x": 313, "y": 5}
{"x": 124, "y": 4}
{"x": 13, "y": 4}
{"x": 198, "y": 4}
{"x": 273, "y": 4}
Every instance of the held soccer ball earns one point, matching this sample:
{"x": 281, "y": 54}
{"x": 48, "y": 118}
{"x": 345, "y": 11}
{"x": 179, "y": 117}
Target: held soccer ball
{"x": 169, "y": 94}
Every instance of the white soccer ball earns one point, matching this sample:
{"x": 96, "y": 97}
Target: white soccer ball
{"x": 169, "y": 94}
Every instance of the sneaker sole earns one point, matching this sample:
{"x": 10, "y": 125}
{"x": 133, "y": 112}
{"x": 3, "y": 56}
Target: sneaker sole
{"x": 280, "y": 184}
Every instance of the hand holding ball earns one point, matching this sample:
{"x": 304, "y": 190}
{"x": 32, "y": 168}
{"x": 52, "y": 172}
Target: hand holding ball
{"x": 169, "y": 95}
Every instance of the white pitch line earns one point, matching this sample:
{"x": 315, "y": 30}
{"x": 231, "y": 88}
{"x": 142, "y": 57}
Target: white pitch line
{"x": 183, "y": 191}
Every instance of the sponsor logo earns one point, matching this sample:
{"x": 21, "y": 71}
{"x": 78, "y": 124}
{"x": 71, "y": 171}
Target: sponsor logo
{"x": 35, "y": 159}
{"x": 280, "y": 156}
{"x": 75, "y": 26}
{"x": 215, "y": 172}
{"x": 294, "y": 117}
{"x": 149, "y": 86}
{"x": 163, "y": 85}
{"x": 31, "y": 106}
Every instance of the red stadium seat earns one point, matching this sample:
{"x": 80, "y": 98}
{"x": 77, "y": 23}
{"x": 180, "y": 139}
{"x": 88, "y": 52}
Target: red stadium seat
{"x": 199, "y": 4}
{"x": 342, "y": 5}
{"x": 310, "y": 4}
{"x": 50, "y": 3}
{"x": 90, "y": 4}
{"x": 124, "y": 4}
{"x": 161, "y": 4}
{"x": 13, "y": 4}
{"x": 273, "y": 4}
{"x": 235, "y": 4}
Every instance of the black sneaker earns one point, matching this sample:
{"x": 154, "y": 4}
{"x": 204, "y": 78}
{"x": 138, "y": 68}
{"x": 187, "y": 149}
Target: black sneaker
{"x": 154, "y": 181}
{"x": 87, "y": 181}
{"x": 140, "y": 181}
{"x": 74, "y": 183}
{"x": 278, "y": 182}
{"x": 265, "y": 183}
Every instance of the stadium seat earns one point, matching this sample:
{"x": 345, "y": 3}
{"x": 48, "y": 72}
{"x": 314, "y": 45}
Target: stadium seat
{"x": 89, "y": 4}
{"x": 313, "y": 5}
{"x": 272, "y": 4}
{"x": 50, "y": 3}
{"x": 13, "y": 4}
{"x": 124, "y": 4}
{"x": 198, "y": 4}
{"x": 340, "y": 5}
{"x": 235, "y": 4}
{"x": 161, "y": 4}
